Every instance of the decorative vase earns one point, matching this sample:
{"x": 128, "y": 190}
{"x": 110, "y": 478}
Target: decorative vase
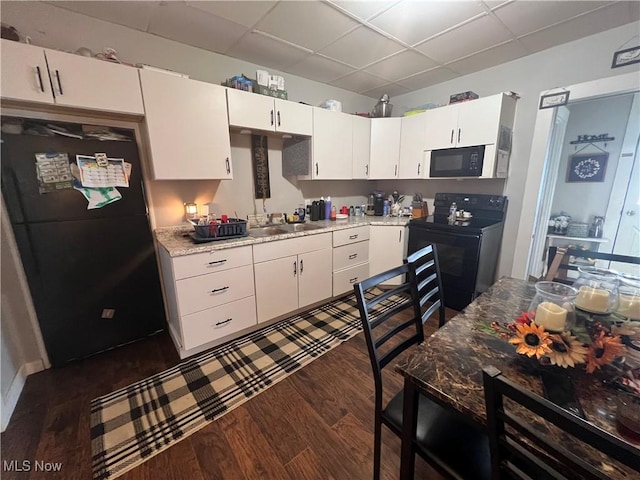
{"x": 554, "y": 304}
{"x": 597, "y": 290}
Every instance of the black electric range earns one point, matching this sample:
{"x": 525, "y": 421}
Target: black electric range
{"x": 468, "y": 249}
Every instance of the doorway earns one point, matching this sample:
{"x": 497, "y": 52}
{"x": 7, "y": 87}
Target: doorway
{"x": 539, "y": 194}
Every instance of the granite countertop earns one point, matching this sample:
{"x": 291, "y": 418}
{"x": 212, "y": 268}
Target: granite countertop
{"x": 178, "y": 242}
{"x": 448, "y": 365}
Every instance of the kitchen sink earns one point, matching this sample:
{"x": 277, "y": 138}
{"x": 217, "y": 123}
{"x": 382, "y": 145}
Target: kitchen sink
{"x": 301, "y": 227}
{"x": 267, "y": 231}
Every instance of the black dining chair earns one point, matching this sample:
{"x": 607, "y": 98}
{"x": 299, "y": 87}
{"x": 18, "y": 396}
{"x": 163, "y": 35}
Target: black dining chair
{"x": 558, "y": 261}
{"x": 392, "y": 323}
{"x": 511, "y": 434}
{"x": 426, "y": 270}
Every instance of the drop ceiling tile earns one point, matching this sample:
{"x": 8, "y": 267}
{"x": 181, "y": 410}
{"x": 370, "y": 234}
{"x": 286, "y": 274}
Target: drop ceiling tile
{"x": 522, "y": 17}
{"x": 484, "y": 32}
{"x": 401, "y": 65}
{"x": 364, "y": 10}
{"x": 134, "y": 14}
{"x": 358, "y": 82}
{"x": 261, "y": 50}
{"x": 414, "y": 21}
{"x": 428, "y": 78}
{"x": 612, "y": 16}
{"x": 361, "y": 47}
{"x": 312, "y": 25}
{"x": 489, "y": 58}
{"x": 391, "y": 89}
{"x": 205, "y": 31}
{"x": 245, "y": 13}
{"x": 320, "y": 69}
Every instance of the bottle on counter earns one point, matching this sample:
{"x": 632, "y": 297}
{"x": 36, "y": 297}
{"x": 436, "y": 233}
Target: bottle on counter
{"x": 386, "y": 208}
{"x": 327, "y": 208}
{"x": 453, "y": 210}
{"x": 333, "y": 212}
{"x": 321, "y": 209}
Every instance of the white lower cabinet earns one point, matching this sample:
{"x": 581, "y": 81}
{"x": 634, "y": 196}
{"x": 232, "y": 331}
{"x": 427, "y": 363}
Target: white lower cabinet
{"x": 350, "y": 258}
{"x": 210, "y": 297}
{"x": 388, "y": 248}
{"x": 291, "y": 274}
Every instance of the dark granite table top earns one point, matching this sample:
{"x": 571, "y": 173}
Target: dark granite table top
{"x": 448, "y": 365}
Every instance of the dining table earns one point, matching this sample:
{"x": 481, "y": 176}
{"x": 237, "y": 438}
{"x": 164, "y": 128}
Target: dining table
{"x": 447, "y": 367}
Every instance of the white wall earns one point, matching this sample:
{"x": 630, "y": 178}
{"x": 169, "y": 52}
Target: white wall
{"x": 583, "y": 200}
{"x": 580, "y": 61}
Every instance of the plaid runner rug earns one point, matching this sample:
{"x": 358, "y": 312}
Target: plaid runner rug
{"x": 137, "y": 422}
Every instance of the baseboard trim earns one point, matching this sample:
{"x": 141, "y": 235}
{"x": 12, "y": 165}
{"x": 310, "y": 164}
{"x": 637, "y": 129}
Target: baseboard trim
{"x": 10, "y": 401}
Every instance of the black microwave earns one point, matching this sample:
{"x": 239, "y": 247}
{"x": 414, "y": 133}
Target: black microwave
{"x": 457, "y": 162}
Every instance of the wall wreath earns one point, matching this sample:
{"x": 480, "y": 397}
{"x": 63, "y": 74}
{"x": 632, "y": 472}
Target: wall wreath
{"x": 587, "y": 167}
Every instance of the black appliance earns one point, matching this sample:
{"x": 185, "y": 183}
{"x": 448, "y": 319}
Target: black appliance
{"x": 378, "y": 204}
{"x": 93, "y": 274}
{"x": 457, "y": 162}
{"x": 467, "y": 248}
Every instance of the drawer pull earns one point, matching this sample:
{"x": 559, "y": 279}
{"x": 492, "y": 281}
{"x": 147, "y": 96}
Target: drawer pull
{"x": 223, "y": 322}
{"x": 352, "y": 256}
{"x": 218, "y": 262}
{"x": 216, "y": 290}
{"x": 353, "y": 280}
{"x": 39, "y": 77}
{"x": 59, "y": 83}
{"x": 353, "y": 237}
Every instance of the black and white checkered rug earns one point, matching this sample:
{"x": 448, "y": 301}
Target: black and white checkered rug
{"x": 137, "y": 422}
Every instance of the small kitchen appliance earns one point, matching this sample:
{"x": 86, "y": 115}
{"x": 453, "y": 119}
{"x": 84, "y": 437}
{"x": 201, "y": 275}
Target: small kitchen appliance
{"x": 378, "y": 204}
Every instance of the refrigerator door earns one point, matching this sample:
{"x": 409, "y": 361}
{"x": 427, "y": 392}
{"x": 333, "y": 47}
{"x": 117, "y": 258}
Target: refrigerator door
{"x": 20, "y": 185}
{"x": 94, "y": 283}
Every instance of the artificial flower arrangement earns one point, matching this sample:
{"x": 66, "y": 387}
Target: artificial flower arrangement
{"x": 594, "y": 345}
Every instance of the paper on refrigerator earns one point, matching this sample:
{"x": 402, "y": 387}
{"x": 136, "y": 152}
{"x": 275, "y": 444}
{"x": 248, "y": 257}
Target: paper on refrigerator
{"x": 96, "y": 176}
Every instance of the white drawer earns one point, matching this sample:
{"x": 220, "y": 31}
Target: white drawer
{"x": 349, "y": 255}
{"x": 206, "y": 291}
{"x": 344, "y": 280}
{"x": 264, "y": 252}
{"x": 350, "y": 235}
{"x": 209, "y": 262}
{"x": 213, "y": 323}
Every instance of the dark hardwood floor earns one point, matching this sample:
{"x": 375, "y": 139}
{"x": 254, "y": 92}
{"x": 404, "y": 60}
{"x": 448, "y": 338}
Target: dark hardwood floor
{"x": 315, "y": 424}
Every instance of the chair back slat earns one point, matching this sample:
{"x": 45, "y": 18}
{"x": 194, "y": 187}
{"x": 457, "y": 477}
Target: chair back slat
{"x": 426, "y": 270}
{"x": 511, "y": 436}
{"x": 558, "y": 261}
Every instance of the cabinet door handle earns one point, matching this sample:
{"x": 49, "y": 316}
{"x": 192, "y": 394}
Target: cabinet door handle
{"x": 400, "y": 236}
{"x": 278, "y": 117}
{"x": 216, "y": 290}
{"x": 272, "y": 118}
{"x": 419, "y": 169}
{"x": 395, "y": 170}
{"x": 39, "y": 79}
{"x": 353, "y": 280}
{"x": 295, "y": 268}
{"x": 366, "y": 170}
{"x": 451, "y": 141}
{"x": 59, "y": 82}
{"x": 228, "y": 165}
{"x": 301, "y": 267}
{"x": 218, "y": 262}
{"x": 352, "y": 256}
{"x": 459, "y": 130}
{"x": 353, "y": 237}
{"x": 316, "y": 168}
{"x": 223, "y": 322}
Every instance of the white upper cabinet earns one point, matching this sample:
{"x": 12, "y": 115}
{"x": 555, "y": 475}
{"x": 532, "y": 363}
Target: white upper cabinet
{"x": 412, "y": 135}
{"x": 332, "y": 145}
{"x": 261, "y": 112}
{"x": 187, "y": 128}
{"x": 361, "y": 146}
{"x": 475, "y": 122}
{"x": 385, "y": 147}
{"x": 30, "y": 72}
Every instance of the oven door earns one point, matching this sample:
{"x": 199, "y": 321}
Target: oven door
{"x": 458, "y": 257}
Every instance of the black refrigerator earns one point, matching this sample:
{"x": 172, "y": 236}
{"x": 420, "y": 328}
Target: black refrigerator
{"x": 93, "y": 274}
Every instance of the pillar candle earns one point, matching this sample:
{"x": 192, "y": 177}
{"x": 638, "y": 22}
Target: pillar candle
{"x": 629, "y": 306}
{"x": 593, "y": 300}
{"x": 551, "y": 316}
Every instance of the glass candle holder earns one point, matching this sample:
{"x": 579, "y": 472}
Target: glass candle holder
{"x": 628, "y": 416}
{"x": 554, "y": 304}
{"x": 597, "y": 290}
{"x": 629, "y": 297}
